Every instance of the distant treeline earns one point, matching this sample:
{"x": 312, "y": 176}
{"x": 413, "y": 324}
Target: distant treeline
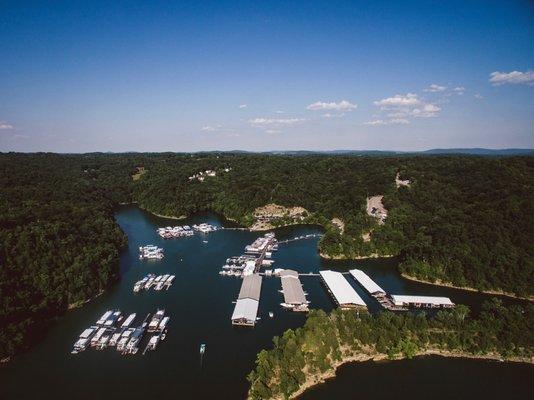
{"x": 328, "y": 339}
{"x": 464, "y": 219}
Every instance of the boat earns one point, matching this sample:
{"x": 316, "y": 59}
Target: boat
{"x": 128, "y": 321}
{"x": 202, "y": 348}
{"x": 84, "y": 340}
{"x": 156, "y": 319}
{"x": 153, "y": 342}
{"x": 271, "y": 314}
{"x": 163, "y": 324}
{"x": 104, "y": 317}
{"x": 124, "y": 339}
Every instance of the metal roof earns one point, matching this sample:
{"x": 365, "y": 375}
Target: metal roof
{"x": 365, "y": 281}
{"x": 341, "y": 289}
{"x": 438, "y": 301}
{"x": 251, "y": 287}
{"x": 246, "y": 309}
{"x": 292, "y": 288}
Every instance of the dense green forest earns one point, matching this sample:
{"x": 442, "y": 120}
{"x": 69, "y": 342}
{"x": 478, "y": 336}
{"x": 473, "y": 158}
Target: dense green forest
{"x": 327, "y": 339}
{"x": 465, "y": 220}
{"x": 59, "y": 243}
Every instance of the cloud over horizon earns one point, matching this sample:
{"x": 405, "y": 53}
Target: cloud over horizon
{"x": 514, "y": 78}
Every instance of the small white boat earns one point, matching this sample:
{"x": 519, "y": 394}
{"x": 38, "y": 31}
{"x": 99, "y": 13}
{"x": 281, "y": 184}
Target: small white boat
{"x": 271, "y": 314}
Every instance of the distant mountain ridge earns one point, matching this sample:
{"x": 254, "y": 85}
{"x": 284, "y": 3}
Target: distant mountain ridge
{"x": 466, "y": 151}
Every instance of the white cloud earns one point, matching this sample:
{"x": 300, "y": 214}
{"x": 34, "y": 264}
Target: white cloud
{"x": 478, "y": 96}
{"x": 459, "y": 90}
{"x": 273, "y": 131}
{"x": 435, "y": 88}
{"x": 343, "y": 105}
{"x": 4, "y": 125}
{"x": 394, "y": 121}
{"x": 275, "y": 121}
{"x": 208, "y": 128}
{"x": 330, "y": 115}
{"x": 400, "y": 108}
{"x": 398, "y": 100}
{"x": 515, "y": 77}
{"x": 242, "y": 106}
{"x": 280, "y": 112}
{"x": 428, "y": 110}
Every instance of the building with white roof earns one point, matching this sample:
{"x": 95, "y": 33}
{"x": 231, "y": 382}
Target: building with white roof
{"x": 421, "y": 301}
{"x": 341, "y": 290}
{"x": 246, "y": 307}
{"x": 367, "y": 283}
{"x": 294, "y": 296}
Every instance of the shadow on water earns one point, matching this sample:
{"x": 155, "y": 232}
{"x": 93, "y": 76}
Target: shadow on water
{"x": 427, "y": 378}
{"x": 200, "y": 305}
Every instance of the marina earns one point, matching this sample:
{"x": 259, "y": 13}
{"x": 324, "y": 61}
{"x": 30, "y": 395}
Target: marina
{"x": 398, "y": 302}
{"x": 155, "y": 282}
{"x": 257, "y": 255}
{"x": 342, "y": 292}
{"x": 172, "y": 232}
{"x": 294, "y": 295}
{"x": 204, "y": 303}
{"x": 124, "y": 338}
{"x": 246, "y": 307}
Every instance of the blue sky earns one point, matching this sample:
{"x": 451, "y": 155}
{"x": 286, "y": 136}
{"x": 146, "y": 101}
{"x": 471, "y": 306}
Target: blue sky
{"x": 188, "y": 76}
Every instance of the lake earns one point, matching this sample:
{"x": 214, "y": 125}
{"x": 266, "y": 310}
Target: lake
{"x": 200, "y": 306}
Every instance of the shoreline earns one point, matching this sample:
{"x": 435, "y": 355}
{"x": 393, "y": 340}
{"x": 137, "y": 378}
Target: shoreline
{"x": 467, "y": 288}
{"x": 316, "y": 380}
{"x": 81, "y": 303}
{"x": 342, "y": 257}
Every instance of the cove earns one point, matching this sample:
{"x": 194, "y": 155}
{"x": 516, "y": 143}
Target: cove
{"x": 200, "y": 305}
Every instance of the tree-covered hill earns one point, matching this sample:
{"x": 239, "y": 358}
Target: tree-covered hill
{"x": 59, "y": 243}
{"x": 463, "y": 220}
{"x": 326, "y": 340}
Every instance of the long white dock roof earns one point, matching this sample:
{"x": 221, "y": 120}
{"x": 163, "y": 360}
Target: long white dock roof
{"x": 292, "y": 288}
{"x": 251, "y": 287}
{"x": 365, "y": 281}
{"x": 341, "y": 289}
{"x": 246, "y": 309}
{"x": 438, "y": 301}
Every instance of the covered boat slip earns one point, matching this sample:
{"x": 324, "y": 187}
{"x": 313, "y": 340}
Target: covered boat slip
{"x": 367, "y": 283}
{"x": 251, "y": 287}
{"x": 294, "y": 296}
{"x": 245, "y": 312}
{"x": 341, "y": 290}
{"x": 246, "y": 307}
{"x": 421, "y": 301}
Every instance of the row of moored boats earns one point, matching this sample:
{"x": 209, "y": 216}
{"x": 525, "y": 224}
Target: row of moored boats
{"x": 258, "y": 254}
{"x": 150, "y": 252}
{"x": 171, "y": 232}
{"x": 112, "y": 330}
{"x": 156, "y": 282}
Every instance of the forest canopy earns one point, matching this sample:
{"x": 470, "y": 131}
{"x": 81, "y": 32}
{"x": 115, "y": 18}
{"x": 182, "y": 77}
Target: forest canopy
{"x": 463, "y": 220}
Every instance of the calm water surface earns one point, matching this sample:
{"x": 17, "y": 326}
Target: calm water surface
{"x": 200, "y": 305}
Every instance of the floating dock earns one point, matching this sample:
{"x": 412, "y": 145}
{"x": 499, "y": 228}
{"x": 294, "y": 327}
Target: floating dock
{"x": 367, "y": 283}
{"x": 294, "y": 296}
{"x": 343, "y": 293}
{"x": 246, "y": 308}
{"x": 421, "y": 301}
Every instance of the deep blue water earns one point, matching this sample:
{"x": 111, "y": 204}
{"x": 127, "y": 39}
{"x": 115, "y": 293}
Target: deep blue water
{"x": 200, "y": 305}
